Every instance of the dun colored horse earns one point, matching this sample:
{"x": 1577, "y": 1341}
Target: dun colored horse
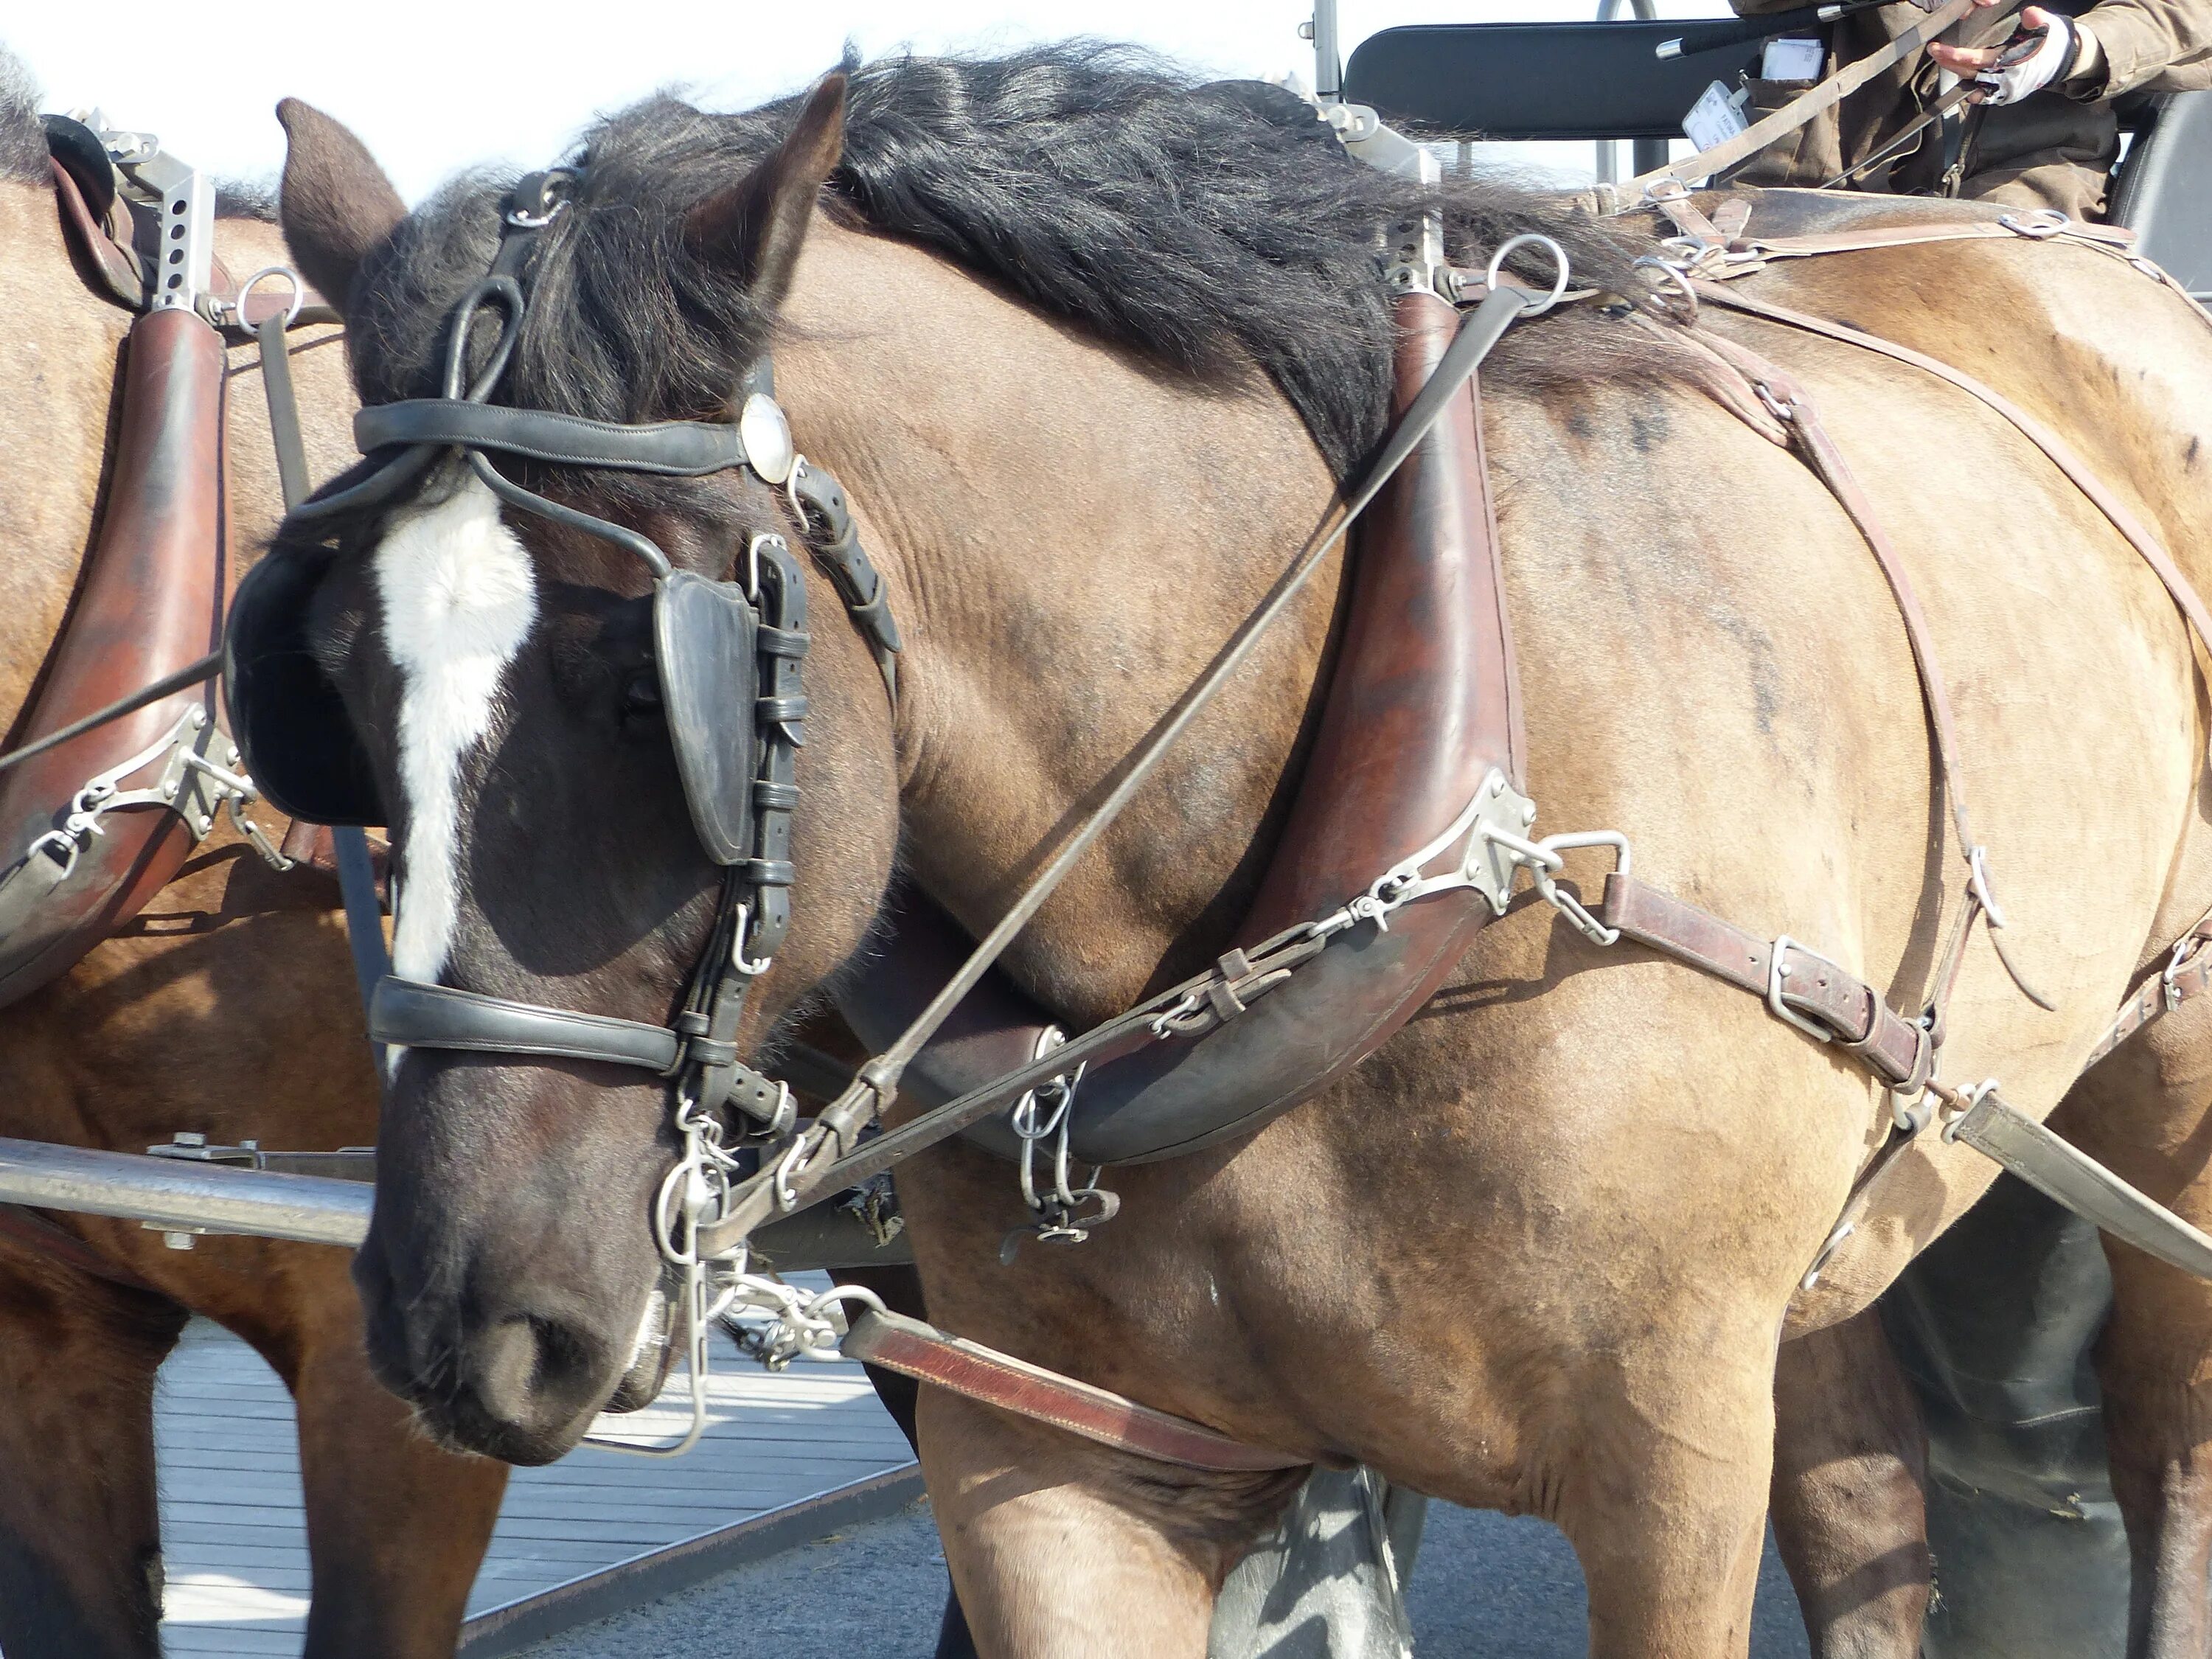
{"x": 1092, "y": 349}
{"x": 227, "y": 1007}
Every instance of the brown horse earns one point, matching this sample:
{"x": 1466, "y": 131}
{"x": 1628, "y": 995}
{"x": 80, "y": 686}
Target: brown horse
{"x": 1091, "y": 348}
{"x": 227, "y": 1007}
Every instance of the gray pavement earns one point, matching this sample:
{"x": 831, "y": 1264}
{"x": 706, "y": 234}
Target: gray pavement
{"x": 1485, "y": 1585}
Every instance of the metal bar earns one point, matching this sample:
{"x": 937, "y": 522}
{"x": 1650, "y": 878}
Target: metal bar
{"x": 1328, "y": 65}
{"x": 173, "y": 1192}
{"x": 1608, "y": 150}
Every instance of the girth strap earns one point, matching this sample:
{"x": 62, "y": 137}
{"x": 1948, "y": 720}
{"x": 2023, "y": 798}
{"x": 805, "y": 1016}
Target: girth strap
{"x": 1828, "y": 1003}
{"x": 922, "y": 1351}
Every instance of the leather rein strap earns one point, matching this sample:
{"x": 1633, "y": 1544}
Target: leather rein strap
{"x": 1799, "y": 110}
{"x": 922, "y": 1351}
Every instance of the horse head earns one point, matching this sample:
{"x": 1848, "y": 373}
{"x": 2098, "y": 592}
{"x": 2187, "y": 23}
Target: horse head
{"x": 569, "y": 690}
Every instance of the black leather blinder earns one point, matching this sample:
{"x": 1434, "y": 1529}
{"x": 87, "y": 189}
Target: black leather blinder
{"x": 704, "y": 641}
{"x": 294, "y": 737}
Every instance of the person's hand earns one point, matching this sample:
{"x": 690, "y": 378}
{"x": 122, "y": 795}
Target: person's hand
{"x": 2044, "y": 52}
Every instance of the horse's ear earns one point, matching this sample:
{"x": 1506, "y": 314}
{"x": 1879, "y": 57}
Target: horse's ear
{"x": 754, "y": 229}
{"x": 336, "y": 204}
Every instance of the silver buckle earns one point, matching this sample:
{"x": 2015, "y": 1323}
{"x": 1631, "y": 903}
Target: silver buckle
{"x": 1776, "y": 971}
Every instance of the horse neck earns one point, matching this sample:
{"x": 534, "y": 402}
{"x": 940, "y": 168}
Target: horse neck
{"x": 56, "y": 388}
{"x": 1068, "y": 536}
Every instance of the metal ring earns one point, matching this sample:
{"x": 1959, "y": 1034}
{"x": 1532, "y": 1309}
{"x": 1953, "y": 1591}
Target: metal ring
{"x": 1531, "y": 307}
{"x": 1673, "y": 274}
{"x": 291, "y": 310}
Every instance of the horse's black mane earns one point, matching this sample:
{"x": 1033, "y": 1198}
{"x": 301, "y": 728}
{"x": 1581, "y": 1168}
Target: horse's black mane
{"x": 1211, "y": 227}
{"x": 23, "y": 140}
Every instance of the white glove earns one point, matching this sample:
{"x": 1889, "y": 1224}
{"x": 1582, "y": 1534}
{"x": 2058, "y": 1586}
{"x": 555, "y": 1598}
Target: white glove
{"x": 2033, "y": 60}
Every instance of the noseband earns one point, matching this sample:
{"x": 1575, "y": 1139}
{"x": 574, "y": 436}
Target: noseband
{"x": 735, "y": 743}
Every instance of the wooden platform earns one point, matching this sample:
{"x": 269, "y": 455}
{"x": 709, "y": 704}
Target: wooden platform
{"x": 231, "y": 1529}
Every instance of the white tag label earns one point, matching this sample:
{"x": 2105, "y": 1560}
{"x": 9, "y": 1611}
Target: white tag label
{"x": 1714, "y": 119}
{"x": 1792, "y": 60}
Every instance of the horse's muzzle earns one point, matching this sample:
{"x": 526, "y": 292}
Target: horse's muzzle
{"x": 517, "y": 1383}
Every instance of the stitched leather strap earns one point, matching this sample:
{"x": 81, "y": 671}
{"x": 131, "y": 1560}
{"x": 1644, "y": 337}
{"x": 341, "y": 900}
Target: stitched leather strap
{"x": 1892, "y": 1048}
{"x": 922, "y": 1351}
{"x": 410, "y": 1014}
{"x": 681, "y": 449}
{"x": 2186, "y": 975}
{"x": 1796, "y": 408}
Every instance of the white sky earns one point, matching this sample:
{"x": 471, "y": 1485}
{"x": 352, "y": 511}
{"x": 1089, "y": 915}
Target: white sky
{"x": 436, "y": 85}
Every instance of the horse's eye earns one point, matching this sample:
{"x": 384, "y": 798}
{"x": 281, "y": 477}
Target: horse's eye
{"x": 642, "y": 696}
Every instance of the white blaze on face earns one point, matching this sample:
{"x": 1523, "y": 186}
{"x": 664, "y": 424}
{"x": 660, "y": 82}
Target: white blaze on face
{"x": 459, "y": 599}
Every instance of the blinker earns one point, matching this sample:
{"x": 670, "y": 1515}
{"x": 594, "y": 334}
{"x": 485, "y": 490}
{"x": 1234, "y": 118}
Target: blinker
{"x": 703, "y": 635}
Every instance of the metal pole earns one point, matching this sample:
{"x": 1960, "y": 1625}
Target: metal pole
{"x": 172, "y": 1193}
{"x": 1328, "y": 67}
{"x": 1648, "y": 153}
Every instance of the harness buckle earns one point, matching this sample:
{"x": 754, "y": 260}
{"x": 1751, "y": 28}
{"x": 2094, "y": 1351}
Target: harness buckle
{"x": 2186, "y": 949}
{"x": 1778, "y": 970}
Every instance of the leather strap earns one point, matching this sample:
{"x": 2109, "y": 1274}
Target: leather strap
{"x": 1794, "y": 407}
{"x": 408, "y": 1013}
{"x": 2187, "y": 975}
{"x": 1852, "y": 1012}
{"x": 922, "y": 1351}
{"x": 2011, "y": 227}
{"x": 2059, "y": 452}
{"x": 121, "y": 276}
{"x": 2070, "y": 1176}
{"x": 680, "y": 449}
{"x": 1799, "y": 110}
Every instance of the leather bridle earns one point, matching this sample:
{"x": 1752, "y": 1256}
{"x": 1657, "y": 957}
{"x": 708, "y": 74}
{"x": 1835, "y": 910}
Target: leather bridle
{"x": 696, "y": 1050}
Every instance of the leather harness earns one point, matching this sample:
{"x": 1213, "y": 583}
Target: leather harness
{"x": 1797, "y": 984}
{"x": 150, "y": 602}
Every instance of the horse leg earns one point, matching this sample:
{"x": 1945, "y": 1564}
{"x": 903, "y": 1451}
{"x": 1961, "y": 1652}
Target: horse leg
{"x": 396, "y": 1527}
{"x": 1063, "y": 1549}
{"x": 80, "y": 1527}
{"x": 900, "y": 1291}
{"x": 1660, "y": 1485}
{"x": 1851, "y": 1516}
{"x": 2143, "y": 1114}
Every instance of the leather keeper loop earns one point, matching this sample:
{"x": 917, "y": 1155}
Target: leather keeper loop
{"x": 775, "y": 797}
{"x": 781, "y": 641}
{"x": 706, "y": 1052}
{"x": 780, "y": 711}
{"x": 770, "y": 873}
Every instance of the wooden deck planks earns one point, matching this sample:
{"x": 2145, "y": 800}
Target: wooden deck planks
{"x": 233, "y": 1538}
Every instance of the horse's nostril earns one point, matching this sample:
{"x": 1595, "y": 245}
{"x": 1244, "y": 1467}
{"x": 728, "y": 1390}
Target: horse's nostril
{"x": 532, "y": 1373}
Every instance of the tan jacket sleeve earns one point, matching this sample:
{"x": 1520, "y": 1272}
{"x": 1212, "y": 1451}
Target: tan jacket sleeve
{"x": 2158, "y": 46}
